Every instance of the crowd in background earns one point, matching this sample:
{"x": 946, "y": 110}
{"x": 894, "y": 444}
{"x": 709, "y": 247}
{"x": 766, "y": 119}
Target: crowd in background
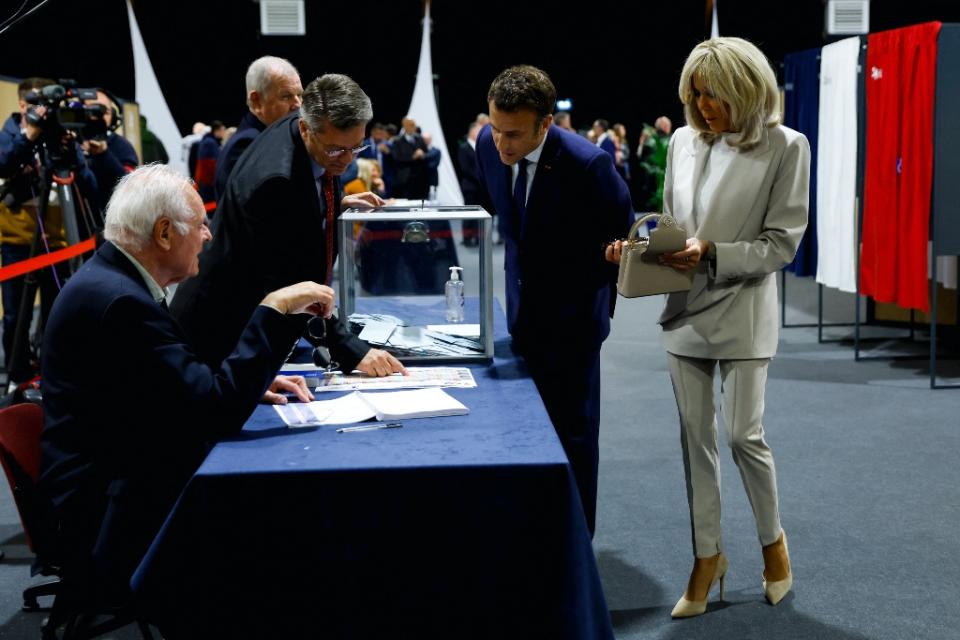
{"x": 394, "y": 162}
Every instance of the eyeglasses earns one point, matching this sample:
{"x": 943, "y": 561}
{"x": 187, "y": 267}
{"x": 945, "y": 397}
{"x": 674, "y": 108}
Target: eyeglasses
{"x": 355, "y": 151}
{"x": 317, "y": 335}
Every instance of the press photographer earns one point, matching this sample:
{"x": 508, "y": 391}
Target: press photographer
{"x": 36, "y": 144}
{"x": 109, "y": 155}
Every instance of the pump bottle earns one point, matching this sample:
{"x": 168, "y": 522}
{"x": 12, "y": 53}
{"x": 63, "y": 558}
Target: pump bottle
{"x": 454, "y": 294}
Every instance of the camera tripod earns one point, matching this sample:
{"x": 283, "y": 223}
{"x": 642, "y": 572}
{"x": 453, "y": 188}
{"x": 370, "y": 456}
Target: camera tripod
{"x": 72, "y": 202}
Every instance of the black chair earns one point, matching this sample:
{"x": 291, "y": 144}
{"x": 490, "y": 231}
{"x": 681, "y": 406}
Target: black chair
{"x": 20, "y": 454}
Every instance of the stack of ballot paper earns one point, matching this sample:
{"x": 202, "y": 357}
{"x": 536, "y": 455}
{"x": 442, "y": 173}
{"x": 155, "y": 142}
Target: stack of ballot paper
{"x": 359, "y": 406}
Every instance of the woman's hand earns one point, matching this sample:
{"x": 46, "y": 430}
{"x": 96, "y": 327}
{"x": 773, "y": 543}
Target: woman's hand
{"x": 689, "y": 258}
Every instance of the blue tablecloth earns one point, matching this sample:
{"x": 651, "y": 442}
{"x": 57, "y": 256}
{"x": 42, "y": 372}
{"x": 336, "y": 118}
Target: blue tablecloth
{"x": 465, "y": 526}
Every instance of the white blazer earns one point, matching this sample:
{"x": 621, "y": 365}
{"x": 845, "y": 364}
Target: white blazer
{"x": 756, "y": 218}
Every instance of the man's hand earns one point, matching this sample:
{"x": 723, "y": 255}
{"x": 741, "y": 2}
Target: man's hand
{"x": 613, "y": 251}
{"x": 362, "y": 201}
{"x": 94, "y": 147}
{"x": 297, "y": 385}
{"x": 303, "y": 297}
{"x": 379, "y": 363}
{"x": 418, "y": 154}
{"x": 33, "y": 131}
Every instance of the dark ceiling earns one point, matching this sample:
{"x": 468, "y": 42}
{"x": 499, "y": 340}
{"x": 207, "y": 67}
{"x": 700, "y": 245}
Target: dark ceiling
{"x": 616, "y": 60}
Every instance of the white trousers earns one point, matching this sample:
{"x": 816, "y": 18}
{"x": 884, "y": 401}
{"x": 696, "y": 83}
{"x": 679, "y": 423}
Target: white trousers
{"x": 742, "y": 387}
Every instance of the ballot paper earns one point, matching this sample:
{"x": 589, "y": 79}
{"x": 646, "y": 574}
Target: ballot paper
{"x": 416, "y": 341}
{"x": 416, "y": 378}
{"x": 378, "y": 332}
{"x": 462, "y": 330}
{"x": 359, "y": 406}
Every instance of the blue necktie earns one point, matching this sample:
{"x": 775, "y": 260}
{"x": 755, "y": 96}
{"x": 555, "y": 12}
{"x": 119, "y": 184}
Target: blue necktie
{"x": 520, "y": 197}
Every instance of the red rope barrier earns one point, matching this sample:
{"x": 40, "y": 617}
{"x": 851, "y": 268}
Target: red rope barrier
{"x": 47, "y": 259}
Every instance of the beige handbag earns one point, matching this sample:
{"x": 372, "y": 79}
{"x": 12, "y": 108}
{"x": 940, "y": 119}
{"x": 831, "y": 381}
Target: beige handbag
{"x": 640, "y": 273}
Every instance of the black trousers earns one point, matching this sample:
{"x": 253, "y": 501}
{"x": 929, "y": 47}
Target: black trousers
{"x": 569, "y": 383}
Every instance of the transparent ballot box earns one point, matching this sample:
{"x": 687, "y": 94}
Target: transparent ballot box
{"x": 394, "y": 269}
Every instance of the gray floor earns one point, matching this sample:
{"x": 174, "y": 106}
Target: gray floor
{"x": 870, "y": 493}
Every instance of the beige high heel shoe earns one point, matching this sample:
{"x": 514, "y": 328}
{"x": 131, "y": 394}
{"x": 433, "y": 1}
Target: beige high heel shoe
{"x": 776, "y": 563}
{"x": 686, "y": 608}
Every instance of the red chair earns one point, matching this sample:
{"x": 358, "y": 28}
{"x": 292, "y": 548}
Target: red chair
{"x": 20, "y": 428}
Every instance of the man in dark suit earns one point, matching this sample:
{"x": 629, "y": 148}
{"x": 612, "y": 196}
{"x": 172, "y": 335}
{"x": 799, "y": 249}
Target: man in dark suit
{"x": 276, "y": 224}
{"x": 473, "y": 191}
{"x": 111, "y": 157}
{"x": 560, "y": 201}
{"x": 129, "y": 407}
{"x": 273, "y": 91}
{"x": 409, "y": 154}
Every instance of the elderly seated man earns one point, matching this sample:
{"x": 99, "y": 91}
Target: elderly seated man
{"x": 130, "y": 411}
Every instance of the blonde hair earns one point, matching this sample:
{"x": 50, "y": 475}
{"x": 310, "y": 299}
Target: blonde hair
{"x": 365, "y": 172}
{"x": 738, "y": 74}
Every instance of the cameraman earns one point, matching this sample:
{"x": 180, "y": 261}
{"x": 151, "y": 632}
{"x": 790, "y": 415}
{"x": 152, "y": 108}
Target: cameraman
{"x": 20, "y": 142}
{"x": 109, "y": 156}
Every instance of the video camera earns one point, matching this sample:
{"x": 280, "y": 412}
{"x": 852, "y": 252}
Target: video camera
{"x": 67, "y": 112}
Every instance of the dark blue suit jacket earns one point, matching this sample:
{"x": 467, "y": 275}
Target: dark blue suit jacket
{"x": 130, "y": 410}
{"x": 559, "y": 287}
{"x": 247, "y": 131}
{"x": 268, "y": 233}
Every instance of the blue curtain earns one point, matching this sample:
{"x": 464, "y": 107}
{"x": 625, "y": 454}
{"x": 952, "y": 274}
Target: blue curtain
{"x": 801, "y": 76}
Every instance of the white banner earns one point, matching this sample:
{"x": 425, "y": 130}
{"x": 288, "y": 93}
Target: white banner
{"x": 150, "y": 98}
{"x": 423, "y": 109}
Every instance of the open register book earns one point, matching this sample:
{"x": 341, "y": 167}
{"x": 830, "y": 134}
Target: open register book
{"x": 359, "y": 406}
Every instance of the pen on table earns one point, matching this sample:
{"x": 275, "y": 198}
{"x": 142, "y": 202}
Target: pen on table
{"x": 369, "y": 427}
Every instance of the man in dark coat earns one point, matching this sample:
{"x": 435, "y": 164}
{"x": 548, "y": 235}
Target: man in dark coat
{"x": 273, "y": 91}
{"x": 112, "y": 157}
{"x": 473, "y": 191}
{"x": 276, "y": 224}
{"x": 129, "y": 408}
{"x": 409, "y": 154}
{"x": 560, "y": 201}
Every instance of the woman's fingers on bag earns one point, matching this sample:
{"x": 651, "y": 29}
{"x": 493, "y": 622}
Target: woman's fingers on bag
{"x": 681, "y": 260}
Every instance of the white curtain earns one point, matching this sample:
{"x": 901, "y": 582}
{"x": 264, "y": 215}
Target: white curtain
{"x": 423, "y": 109}
{"x": 150, "y": 98}
{"x": 837, "y": 166}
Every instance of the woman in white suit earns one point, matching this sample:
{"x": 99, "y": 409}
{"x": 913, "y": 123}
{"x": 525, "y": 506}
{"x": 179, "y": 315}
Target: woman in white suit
{"x": 739, "y": 180}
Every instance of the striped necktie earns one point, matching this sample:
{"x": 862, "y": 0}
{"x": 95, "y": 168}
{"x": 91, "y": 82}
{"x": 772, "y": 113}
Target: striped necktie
{"x": 326, "y": 181}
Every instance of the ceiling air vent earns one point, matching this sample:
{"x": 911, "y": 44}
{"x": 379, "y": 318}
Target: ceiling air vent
{"x": 848, "y": 17}
{"x": 282, "y": 18}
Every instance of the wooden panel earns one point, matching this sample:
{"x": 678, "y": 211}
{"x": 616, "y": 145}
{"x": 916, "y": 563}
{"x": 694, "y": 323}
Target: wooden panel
{"x": 946, "y": 310}
{"x": 8, "y": 97}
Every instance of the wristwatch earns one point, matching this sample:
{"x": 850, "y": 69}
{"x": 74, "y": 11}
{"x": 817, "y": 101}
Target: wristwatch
{"x": 712, "y": 254}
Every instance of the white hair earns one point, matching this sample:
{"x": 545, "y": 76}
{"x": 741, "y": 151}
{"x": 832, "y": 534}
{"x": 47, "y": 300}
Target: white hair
{"x": 141, "y": 198}
{"x": 263, "y": 72}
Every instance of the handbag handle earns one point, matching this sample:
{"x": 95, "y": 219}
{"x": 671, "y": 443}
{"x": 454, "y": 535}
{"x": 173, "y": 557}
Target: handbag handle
{"x": 663, "y": 219}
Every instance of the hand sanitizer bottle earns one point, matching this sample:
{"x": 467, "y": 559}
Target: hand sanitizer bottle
{"x": 454, "y": 293}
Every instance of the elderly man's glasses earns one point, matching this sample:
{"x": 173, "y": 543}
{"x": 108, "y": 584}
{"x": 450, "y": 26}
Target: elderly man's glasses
{"x": 333, "y": 153}
{"x": 317, "y": 335}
